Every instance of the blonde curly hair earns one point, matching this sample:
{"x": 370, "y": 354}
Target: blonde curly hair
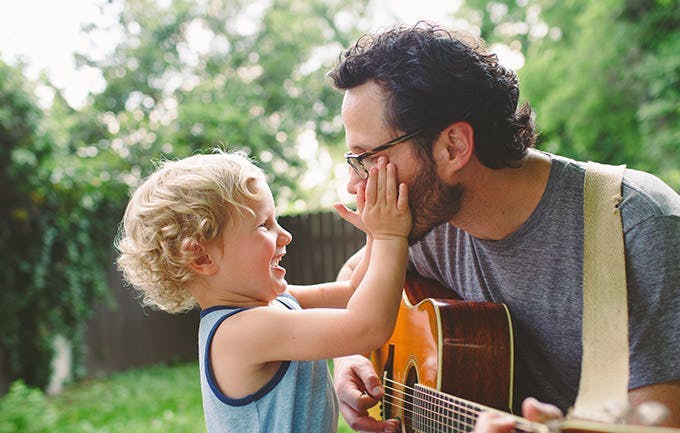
{"x": 179, "y": 208}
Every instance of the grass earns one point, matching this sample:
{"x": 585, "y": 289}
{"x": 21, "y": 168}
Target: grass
{"x": 149, "y": 400}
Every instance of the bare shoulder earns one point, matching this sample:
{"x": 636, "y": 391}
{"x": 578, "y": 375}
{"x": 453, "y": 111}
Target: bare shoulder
{"x": 245, "y": 330}
{"x": 236, "y": 367}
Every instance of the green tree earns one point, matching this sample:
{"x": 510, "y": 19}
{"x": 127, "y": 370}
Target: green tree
{"x": 600, "y": 75}
{"x": 195, "y": 75}
{"x": 184, "y": 76}
{"x": 51, "y": 235}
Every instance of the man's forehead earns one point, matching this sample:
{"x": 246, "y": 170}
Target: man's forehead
{"x": 366, "y": 93}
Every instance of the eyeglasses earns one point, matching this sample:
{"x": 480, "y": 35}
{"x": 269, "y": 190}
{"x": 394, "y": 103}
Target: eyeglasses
{"x": 356, "y": 161}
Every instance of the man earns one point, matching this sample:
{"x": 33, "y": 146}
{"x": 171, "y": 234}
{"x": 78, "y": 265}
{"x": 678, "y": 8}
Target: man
{"x": 497, "y": 221}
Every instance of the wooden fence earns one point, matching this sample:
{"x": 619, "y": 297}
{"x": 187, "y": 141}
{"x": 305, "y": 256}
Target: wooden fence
{"x": 122, "y": 335}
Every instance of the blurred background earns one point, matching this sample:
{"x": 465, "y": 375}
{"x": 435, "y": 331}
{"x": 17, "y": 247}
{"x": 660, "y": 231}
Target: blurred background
{"x": 93, "y": 93}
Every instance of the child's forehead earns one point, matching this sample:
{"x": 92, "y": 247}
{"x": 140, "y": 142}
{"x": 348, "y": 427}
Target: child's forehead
{"x": 263, "y": 206}
{"x": 263, "y": 201}
{"x": 261, "y": 184}
{"x": 263, "y": 191}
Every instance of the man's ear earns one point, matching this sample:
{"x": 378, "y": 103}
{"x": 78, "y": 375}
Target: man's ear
{"x": 203, "y": 264}
{"x": 453, "y": 149}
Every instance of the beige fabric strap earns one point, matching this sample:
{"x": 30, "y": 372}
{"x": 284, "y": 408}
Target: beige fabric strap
{"x": 604, "y": 367}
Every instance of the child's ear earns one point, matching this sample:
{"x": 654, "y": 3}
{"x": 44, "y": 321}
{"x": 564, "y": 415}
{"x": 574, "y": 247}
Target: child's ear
{"x": 203, "y": 264}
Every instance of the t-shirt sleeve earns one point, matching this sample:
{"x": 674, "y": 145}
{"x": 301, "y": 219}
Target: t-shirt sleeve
{"x": 653, "y": 277}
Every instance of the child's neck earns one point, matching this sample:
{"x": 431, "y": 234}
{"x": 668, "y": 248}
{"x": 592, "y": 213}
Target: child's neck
{"x": 207, "y": 298}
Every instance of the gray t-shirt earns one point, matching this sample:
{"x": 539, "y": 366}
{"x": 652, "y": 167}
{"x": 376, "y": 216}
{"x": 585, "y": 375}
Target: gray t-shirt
{"x": 537, "y": 271}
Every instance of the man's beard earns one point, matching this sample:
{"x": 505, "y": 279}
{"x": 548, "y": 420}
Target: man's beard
{"x": 431, "y": 201}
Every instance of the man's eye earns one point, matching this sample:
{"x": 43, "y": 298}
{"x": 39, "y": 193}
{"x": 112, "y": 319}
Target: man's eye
{"x": 370, "y": 159}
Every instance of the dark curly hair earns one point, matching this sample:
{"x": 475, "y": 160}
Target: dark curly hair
{"x": 432, "y": 78}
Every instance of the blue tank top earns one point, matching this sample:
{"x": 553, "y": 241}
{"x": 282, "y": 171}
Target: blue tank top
{"x": 298, "y": 399}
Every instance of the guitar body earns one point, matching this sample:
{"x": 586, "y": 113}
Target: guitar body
{"x": 445, "y": 344}
{"x": 448, "y": 360}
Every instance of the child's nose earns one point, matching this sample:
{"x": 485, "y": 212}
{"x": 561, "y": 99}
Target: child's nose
{"x": 284, "y": 236}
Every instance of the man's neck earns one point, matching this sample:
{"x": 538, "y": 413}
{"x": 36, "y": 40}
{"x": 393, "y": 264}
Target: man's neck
{"x": 497, "y": 202}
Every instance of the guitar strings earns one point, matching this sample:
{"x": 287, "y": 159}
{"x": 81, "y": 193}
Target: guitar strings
{"x": 458, "y": 406}
{"x": 441, "y": 426}
{"x": 430, "y": 406}
{"x": 440, "y": 418}
{"x": 445, "y": 427}
{"x": 449, "y": 402}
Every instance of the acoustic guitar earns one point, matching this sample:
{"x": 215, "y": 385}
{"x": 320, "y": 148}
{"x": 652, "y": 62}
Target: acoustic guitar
{"x": 448, "y": 360}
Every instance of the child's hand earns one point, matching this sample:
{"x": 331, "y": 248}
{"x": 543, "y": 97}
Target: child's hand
{"x": 385, "y": 212}
{"x": 354, "y": 216}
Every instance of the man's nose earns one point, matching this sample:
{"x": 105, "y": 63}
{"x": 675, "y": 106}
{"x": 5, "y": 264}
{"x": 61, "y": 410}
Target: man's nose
{"x": 353, "y": 182}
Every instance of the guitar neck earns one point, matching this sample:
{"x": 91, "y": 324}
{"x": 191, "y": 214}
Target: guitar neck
{"x": 433, "y": 411}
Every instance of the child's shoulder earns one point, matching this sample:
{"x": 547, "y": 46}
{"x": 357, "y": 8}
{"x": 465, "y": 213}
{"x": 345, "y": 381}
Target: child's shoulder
{"x": 244, "y": 324}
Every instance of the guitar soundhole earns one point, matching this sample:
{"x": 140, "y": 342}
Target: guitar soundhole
{"x": 411, "y": 380}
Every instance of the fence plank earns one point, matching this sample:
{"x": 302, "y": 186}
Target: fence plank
{"x": 125, "y": 335}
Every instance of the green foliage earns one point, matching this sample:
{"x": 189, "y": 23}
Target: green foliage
{"x": 257, "y": 83}
{"x": 186, "y": 76}
{"x": 603, "y": 77}
{"x": 26, "y": 410}
{"x": 189, "y": 76}
{"x": 54, "y": 236}
{"x": 659, "y": 70}
{"x": 155, "y": 399}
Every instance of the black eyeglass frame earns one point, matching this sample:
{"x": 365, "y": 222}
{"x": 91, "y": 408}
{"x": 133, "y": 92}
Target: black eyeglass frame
{"x": 356, "y": 161}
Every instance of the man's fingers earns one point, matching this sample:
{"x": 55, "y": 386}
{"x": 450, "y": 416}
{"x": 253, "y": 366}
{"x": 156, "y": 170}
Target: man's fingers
{"x": 536, "y": 411}
{"x": 358, "y": 388}
{"x": 354, "y": 408}
{"x": 489, "y": 422}
{"x": 359, "y": 420}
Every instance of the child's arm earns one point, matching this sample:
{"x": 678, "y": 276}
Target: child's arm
{"x": 360, "y": 271}
{"x": 333, "y": 294}
{"x": 270, "y": 333}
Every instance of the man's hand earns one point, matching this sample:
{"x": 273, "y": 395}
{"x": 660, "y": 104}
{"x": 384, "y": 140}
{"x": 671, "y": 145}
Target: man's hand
{"x": 492, "y": 422}
{"x": 358, "y": 388}
{"x": 532, "y": 409}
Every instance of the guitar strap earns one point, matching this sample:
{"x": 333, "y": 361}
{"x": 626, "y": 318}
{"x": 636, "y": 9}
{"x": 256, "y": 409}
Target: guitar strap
{"x": 605, "y": 363}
